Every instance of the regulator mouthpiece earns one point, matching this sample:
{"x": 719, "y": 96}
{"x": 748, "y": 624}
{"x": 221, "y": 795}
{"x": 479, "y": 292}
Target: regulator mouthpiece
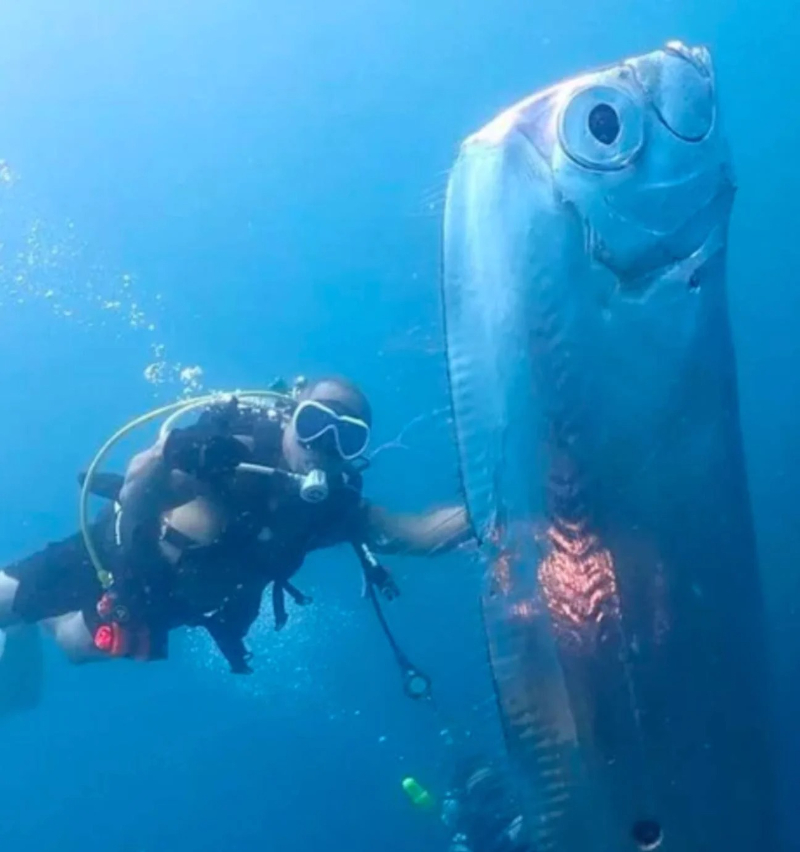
{"x": 314, "y": 487}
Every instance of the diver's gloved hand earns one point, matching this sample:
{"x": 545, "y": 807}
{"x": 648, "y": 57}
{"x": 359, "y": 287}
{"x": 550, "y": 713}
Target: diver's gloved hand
{"x": 205, "y": 458}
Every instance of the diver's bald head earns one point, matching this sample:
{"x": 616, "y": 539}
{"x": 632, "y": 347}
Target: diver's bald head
{"x": 348, "y": 398}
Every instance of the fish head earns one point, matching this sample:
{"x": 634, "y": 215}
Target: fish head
{"x": 594, "y": 205}
{"x": 638, "y": 151}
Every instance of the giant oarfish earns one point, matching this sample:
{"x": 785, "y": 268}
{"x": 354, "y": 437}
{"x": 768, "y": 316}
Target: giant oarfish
{"x": 595, "y": 401}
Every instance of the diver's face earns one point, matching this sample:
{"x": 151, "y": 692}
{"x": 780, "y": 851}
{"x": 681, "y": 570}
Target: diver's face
{"x": 303, "y": 457}
{"x": 322, "y": 453}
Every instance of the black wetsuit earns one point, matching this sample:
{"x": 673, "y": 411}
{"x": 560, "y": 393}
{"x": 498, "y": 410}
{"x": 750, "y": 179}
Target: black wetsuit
{"x": 219, "y": 586}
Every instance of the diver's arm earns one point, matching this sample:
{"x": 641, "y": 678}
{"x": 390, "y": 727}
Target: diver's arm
{"x": 151, "y": 487}
{"x": 171, "y": 473}
{"x": 430, "y": 534}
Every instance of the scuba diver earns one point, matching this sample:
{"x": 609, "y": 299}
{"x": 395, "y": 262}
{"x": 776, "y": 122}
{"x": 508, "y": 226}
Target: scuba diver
{"x": 210, "y": 516}
{"x": 480, "y": 811}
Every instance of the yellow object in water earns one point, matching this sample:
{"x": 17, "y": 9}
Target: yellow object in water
{"x": 418, "y": 795}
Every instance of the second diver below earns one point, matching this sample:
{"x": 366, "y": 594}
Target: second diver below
{"x": 195, "y": 538}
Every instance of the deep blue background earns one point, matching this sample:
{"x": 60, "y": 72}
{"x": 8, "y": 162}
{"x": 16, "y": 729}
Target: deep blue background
{"x": 256, "y": 187}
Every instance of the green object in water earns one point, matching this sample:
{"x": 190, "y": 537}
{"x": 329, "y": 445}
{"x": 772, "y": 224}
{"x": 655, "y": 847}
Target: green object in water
{"x": 419, "y": 796}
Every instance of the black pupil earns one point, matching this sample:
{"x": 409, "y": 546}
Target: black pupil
{"x": 604, "y": 123}
{"x": 646, "y": 833}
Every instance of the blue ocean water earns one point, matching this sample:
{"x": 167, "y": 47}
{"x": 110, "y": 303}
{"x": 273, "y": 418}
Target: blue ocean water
{"x": 254, "y": 189}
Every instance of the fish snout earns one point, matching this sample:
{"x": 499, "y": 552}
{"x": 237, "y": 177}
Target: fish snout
{"x": 678, "y": 81}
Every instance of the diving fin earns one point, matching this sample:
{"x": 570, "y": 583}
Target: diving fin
{"x": 21, "y": 669}
{"x": 107, "y": 485}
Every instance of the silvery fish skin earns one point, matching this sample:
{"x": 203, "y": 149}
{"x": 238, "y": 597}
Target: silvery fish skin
{"x": 594, "y": 391}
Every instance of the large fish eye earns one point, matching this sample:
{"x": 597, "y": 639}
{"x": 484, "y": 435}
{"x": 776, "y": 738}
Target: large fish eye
{"x": 604, "y": 124}
{"x": 601, "y": 127}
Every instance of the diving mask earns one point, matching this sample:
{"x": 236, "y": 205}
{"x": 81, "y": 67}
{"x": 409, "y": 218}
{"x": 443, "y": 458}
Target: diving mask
{"x": 314, "y": 420}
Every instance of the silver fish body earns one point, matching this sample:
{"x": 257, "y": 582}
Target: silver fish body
{"x": 594, "y": 392}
